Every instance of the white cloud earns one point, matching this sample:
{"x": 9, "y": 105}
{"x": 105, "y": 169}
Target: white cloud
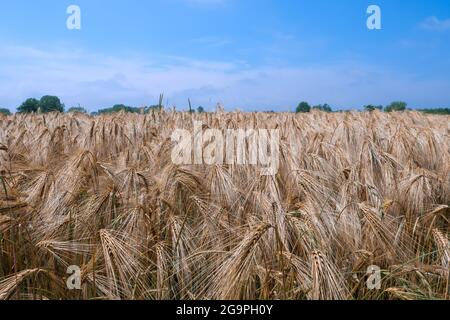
{"x": 100, "y": 80}
{"x": 433, "y": 23}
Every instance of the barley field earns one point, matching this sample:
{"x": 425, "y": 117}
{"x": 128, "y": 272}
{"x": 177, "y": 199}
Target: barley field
{"x": 354, "y": 191}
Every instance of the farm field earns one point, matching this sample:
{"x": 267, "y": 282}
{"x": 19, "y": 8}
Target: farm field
{"x": 354, "y": 192}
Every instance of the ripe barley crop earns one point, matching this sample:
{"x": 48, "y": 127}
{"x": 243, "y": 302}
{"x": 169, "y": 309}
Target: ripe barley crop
{"x": 353, "y": 190}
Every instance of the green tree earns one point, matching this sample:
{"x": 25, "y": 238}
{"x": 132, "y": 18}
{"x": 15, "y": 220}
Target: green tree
{"x": 303, "y": 107}
{"x": 77, "y": 110}
{"x": 396, "y": 106}
{"x": 30, "y": 105}
{"x": 118, "y": 108}
{"x": 51, "y": 104}
{"x": 371, "y": 108}
{"x": 323, "y": 107}
{"x": 441, "y": 111}
{"x": 5, "y": 111}
{"x": 200, "y": 109}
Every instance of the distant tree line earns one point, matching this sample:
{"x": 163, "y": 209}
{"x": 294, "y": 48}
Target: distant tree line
{"x": 5, "y": 111}
{"x": 305, "y": 107}
{"x": 118, "y": 108}
{"x": 44, "y": 105}
{"x": 396, "y": 106}
{"x": 53, "y": 104}
{"x": 436, "y": 111}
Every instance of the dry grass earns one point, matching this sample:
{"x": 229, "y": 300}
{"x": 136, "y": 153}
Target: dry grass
{"x": 353, "y": 190}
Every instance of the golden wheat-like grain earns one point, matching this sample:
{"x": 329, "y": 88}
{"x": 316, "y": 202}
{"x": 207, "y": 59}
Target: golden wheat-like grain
{"x": 352, "y": 190}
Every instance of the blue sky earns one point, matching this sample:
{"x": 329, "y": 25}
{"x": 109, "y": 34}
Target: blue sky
{"x": 246, "y": 54}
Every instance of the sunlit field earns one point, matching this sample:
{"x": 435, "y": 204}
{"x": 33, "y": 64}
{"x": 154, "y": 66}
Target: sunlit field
{"x": 353, "y": 192}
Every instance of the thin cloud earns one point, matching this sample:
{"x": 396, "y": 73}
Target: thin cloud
{"x": 435, "y": 24}
{"x": 97, "y": 80}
